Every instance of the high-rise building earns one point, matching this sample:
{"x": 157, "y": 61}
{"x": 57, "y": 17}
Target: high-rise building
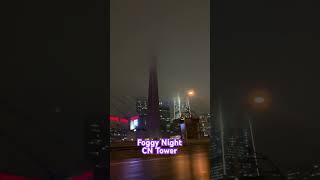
{"x": 232, "y": 155}
{"x": 192, "y": 128}
{"x": 119, "y": 128}
{"x": 204, "y": 125}
{"x": 164, "y": 111}
{"x": 142, "y": 110}
{"x": 182, "y": 107}
{"x": 175, "y": 127}
{"x": 165, "y": 120}
{"x": 97, "y": 145}
{"x": 153, "y": 124}
{"x": 186, "y": 109}
{"x": 232, "y": 146}
{"x": 182, "y": 111}
{"x": 177, "y": 107}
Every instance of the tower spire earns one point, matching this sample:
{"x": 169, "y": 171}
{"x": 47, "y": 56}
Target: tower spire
{"x": 153, "y": 101}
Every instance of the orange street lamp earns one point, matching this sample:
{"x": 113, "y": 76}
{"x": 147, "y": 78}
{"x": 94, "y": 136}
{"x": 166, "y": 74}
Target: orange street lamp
{"x": 190, "y": 93}
{"x": 259, "y": 99}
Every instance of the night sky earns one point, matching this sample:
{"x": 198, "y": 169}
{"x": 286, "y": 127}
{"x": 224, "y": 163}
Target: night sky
{"x": 272, "y": 46}
{"x": 177, "y": 33}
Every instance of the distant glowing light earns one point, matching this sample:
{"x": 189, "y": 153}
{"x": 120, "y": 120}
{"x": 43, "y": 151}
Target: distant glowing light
{"x": 113, "y": 118}
{"x": 258, "y": 100}
{"x": 117, "y": 119}
{"x": 190, "y": 93}
{"x": 124, "y": 120}
{"x": 134, "y": 122}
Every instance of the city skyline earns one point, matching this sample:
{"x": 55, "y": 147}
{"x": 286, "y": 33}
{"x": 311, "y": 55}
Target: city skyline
{"x": 144, "y": 29}
{"x": 237, "y": 85}
{"x": 270, "y": 47}
{"x": 127, "y": 105}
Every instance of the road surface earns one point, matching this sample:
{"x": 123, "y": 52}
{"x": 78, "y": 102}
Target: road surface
{"x": 191, "y": 163}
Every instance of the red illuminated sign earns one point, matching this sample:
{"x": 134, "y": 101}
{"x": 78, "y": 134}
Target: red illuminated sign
{"x": 124, "y": 120}
{"x": 113, "y": 118}
{"x": 134, "y": 118}
{"x": 117, "y": 119}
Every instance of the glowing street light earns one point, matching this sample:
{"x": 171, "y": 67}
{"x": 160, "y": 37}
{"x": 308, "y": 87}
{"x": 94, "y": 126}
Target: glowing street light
{"x": 190, "y": 93}
{"x": 258, "y": 100}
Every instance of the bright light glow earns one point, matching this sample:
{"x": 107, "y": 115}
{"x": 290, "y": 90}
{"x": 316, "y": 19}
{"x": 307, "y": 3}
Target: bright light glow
{"x": 131, "y": 125}
{"x": 117, "y": 119}
{"x": 124, "y": 120}
{"x": 190, "y": 93}
{"x": 134, "y": 123}
{"x": 258, "y": 100}
{"x": 113, "y": 118}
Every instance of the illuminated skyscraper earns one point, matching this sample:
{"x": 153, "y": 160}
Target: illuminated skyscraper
{"x": 164, "y": 110}
{"x": 177, "y": 107}
{"x": 187, "y": 108}
{"x": 232, "y": 155}
{"x": 165, "y": 120}
{"x": 205, "y": 125}
{"x": 182, "y": 111}
{"x": 142, "y": 110}
{"x": 181, "y": 108}
{"x": 153, "y": 124}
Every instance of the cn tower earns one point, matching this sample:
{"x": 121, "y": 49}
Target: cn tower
{"x": 153, "y": 121}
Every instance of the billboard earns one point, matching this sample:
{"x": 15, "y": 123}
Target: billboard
{"x": 117, "y": 119}
{"x": 134, "y": 122}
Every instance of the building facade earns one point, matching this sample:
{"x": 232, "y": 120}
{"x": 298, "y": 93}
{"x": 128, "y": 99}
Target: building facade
{"x": 97, "y": 145}
{"x": 119, "y": 128}
{"x": 192, "y": 128}
{"x": 165, "y": 118}
{"x": 164, "y": 111}
{"x": 142, "y": 111}
{"x": 232, "y": 155}
{"x": 205, "y": 125}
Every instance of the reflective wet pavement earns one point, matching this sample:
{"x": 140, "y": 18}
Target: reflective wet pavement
{"x": 192, "y": 163}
